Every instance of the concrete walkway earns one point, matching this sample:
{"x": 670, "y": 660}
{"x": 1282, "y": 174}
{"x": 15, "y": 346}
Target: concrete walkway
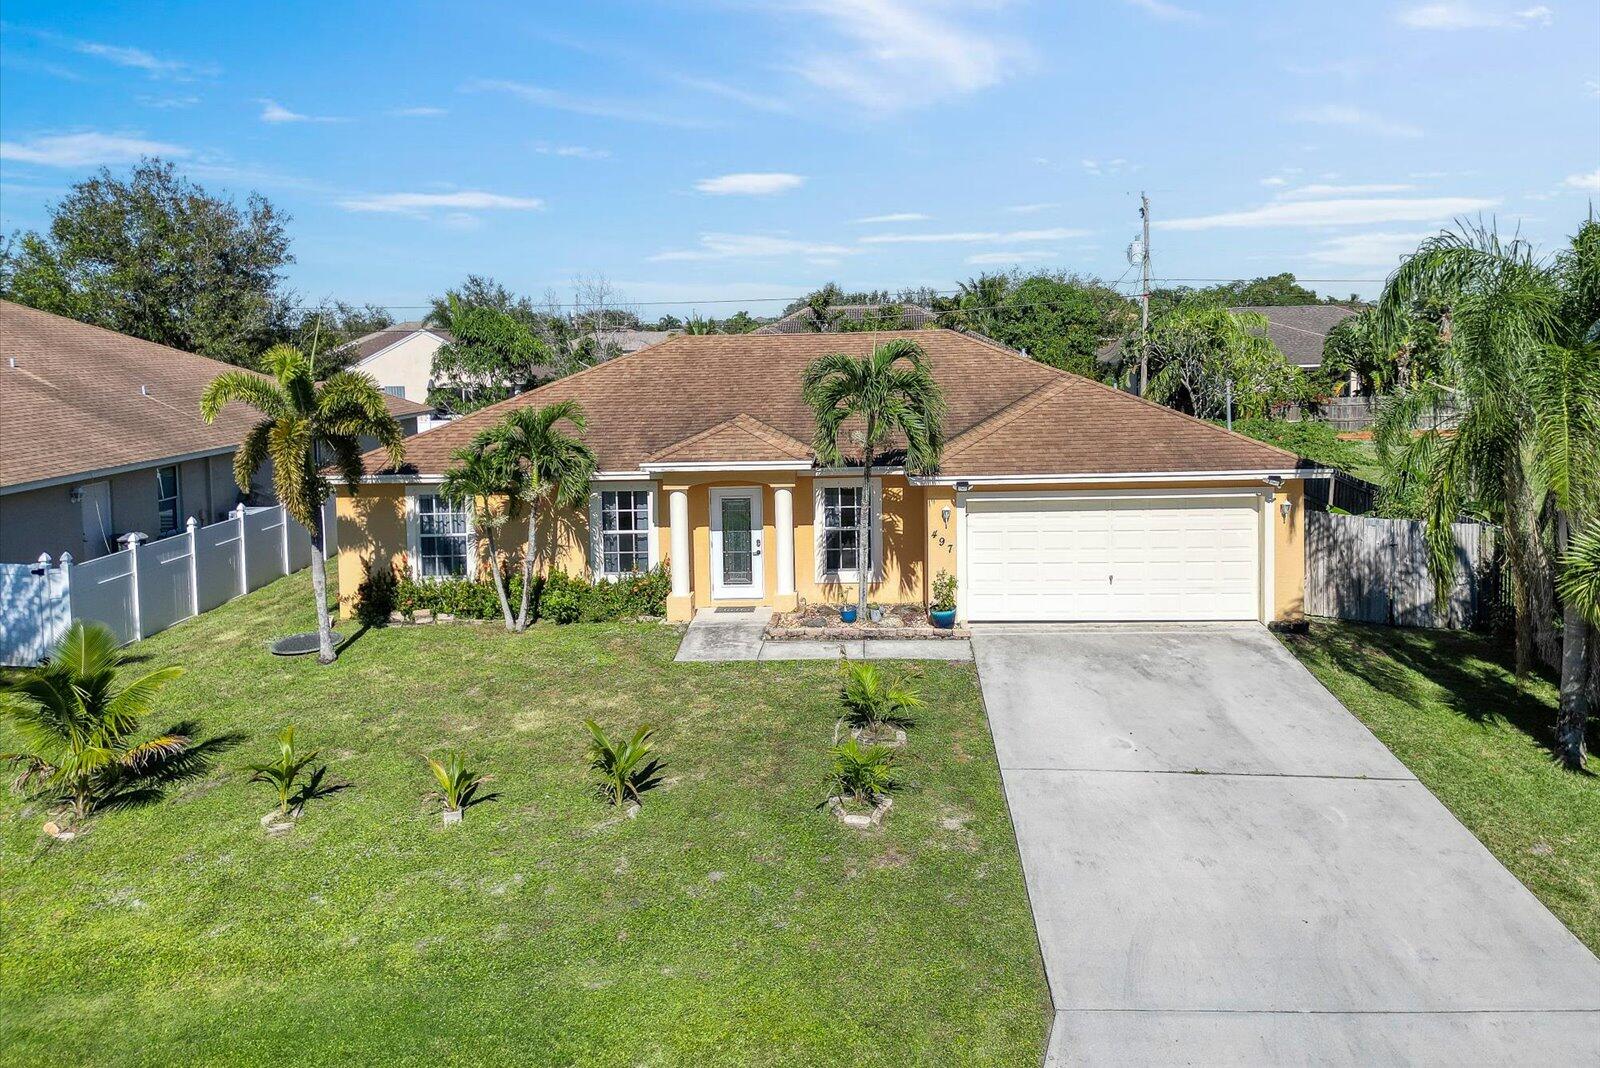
{"x": 722, "y": 635}
{"x": 1226, "y": 867}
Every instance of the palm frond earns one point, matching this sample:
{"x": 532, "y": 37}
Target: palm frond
{"x": 262, "y": 394}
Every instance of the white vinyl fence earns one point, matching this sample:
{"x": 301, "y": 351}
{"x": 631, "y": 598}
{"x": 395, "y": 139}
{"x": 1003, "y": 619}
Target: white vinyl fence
{"x": 150, "y": 585}
{"x": 1376, "y": 571}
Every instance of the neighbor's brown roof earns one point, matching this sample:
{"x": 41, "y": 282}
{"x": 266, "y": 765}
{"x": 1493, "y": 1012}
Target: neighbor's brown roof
{"x": 1006, "y": 414}
{"x": 799, "y": 321}
{"x": 82, "y": 399}
{"x": 378, "y": 340}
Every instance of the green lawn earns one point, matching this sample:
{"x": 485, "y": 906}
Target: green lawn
{"x": 1447, "y": 704}
{"x": 732, "y": 922}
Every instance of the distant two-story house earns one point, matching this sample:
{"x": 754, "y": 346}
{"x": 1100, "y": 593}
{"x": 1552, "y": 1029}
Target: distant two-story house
{"x": 101, "y": 436}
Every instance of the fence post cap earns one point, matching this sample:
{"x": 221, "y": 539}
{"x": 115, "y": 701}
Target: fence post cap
{"x": 133, "y": 537}
{"x": 44, "y": 558}
{"x": 238, "y": 510}
{"x": 193, "y": 524}
{"x": 66, "y": 559}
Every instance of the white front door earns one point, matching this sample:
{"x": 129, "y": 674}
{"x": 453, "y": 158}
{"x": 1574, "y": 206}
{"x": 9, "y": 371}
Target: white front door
{"x": 95, "y": 515}
{"x": 1072, "y": 557}
{"x": 736, "y": 571}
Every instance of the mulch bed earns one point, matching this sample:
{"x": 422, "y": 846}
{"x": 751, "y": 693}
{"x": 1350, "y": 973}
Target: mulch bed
{"x": 820, "y": 622}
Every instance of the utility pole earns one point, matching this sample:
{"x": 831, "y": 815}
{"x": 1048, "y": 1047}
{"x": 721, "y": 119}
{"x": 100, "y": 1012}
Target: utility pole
{"x": 1144, "y": 296}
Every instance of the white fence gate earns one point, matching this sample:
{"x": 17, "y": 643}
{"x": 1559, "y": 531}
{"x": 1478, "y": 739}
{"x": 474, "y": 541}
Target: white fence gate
{"x": 149, "y": 586}
{"x": 1376, "y": 571}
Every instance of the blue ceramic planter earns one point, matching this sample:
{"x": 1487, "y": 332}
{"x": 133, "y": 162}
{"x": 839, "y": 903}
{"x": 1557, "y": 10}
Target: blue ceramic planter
{"x": 848, "y": 614}
{"x": 943, "y": 620}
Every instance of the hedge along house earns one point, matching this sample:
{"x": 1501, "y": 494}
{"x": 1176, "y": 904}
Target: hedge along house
{"x": 1058, "y": 498}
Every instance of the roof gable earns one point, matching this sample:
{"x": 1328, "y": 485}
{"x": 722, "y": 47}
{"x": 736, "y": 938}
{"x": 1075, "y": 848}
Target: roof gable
{"x": 742, "y": 439}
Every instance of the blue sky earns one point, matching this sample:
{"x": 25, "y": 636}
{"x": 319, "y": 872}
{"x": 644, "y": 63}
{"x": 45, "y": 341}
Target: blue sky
{"x": 702, "y": 152}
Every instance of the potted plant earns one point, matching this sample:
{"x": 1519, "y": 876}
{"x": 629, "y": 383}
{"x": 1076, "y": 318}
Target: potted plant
{"x": 875, "y": 612}
{"x": 458, "y": 784}
{"x": 942, "y": 610}
{"x": 847, "y": 614}
{"x": 861, "y": 784}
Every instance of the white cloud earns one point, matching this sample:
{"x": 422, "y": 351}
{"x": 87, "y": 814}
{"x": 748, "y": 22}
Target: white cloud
{"x": 987, "y": 258}
{"x": 1107, "y": 168}
{"x": 754, "y": 101}
{"x": 1164, "y": 11}
{"x": 1589, "y": 183}
{"x": 1315, "y": 190}
{"x": 416, "y": 203}
{"x": 170, "y": 102}
{"x": 750, "y": 184}
{"x": 423, "y": 112}
{"x": 904, "y": 54}
{"x": 968, "y": 236}
{"x": 1275, "y": 180}
{"x": 274, "y": 112}
{"x": 1355, "y": 119}
{"x": 597, "y": 107}
{"x": 1380, "y": 249}
{"x": 545, "y": 148}
{"x": 894, "y": 217}
{"x": 751, "y": 246}
{"x": 1354, "y": 212}
{"x": 87, "y": 150}
{"x": 1467, "y": 16}
{"x": 1030, "y": 209}
{"x": 138, "y": 59}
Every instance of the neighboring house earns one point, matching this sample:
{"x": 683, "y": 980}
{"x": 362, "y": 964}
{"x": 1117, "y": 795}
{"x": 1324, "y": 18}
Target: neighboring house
{"x": 1297, "y": 330}
{"x": 1300, "y": 330}
{"x": 400, "y": 359}
{"x": 1058, "y": 498}
{"x": 800, "y": 321}
{"x": 621, "y": 342}
{"x": 101, "y": 436}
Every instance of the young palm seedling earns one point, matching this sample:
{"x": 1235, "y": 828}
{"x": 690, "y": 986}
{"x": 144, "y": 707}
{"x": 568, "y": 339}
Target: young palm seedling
{"x": 875, "y": 705}
{"x": 626, "y": 768}
{"x": 282, "y": 773}
{"x": 861, "y": 779}
{"x": 458, "y": 784}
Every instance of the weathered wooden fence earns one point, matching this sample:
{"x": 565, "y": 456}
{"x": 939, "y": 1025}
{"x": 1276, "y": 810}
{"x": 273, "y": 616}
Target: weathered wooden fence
{"x": 1376, "y": 571}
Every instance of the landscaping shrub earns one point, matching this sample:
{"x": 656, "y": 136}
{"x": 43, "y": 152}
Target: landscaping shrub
{"x": 375, "y": 597}
{"x": 558, "y": 597}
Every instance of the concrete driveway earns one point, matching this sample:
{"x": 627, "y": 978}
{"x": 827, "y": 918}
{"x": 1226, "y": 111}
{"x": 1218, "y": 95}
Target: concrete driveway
{"x": 1225, "y": 866}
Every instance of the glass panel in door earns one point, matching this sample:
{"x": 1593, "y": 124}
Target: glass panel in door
{"x": 737, "y": 560}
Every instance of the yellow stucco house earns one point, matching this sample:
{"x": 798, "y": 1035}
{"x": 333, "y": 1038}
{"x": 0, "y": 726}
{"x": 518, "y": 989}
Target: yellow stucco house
{"x": 1058, "y": 498}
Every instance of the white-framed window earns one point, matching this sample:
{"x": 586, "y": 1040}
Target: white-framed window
{"x": 167, "y": 500}
{"x": 439, "y": 536}
{"x": 838, "y": 503}
{"x": 396, "y": 391}
{"x": 622, "y": 536}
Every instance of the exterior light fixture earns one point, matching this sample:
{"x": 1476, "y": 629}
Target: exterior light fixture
{"x": 944, "y": 513}
{"x": 963, "y": 486}
{"x": 1286, "y": 506}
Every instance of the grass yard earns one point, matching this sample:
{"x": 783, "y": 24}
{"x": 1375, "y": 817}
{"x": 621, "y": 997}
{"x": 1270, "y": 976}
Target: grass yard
{"x": 1447, "y": 704}
{"x": 732, "y": 922}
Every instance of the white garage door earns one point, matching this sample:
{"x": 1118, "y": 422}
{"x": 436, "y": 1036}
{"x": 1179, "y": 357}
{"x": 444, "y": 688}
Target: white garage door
{"x": 1085, "y": 558}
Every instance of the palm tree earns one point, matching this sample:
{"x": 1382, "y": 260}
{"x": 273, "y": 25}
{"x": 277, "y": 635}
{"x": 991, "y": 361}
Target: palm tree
{"x": 824, "y": 317}
{"x": 480, "y": 478}
{"x": 552, "y": 464}
{"x": 1523, "y": 370}
{"x": 980, "y": 303}
{"x": 891, "y": 391}
{"x": 306, "y": 420}
{"x": 76, "y": 724}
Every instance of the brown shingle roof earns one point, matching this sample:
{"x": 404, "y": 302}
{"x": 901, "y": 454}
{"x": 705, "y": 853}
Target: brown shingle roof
{"x": 741, "y": 439}
{"x": 378, "y": 340}
{"x": 689, "y": 394}
{"x": 82, "y": 399}
{"x": 1300, "y": 330}
{"x": 799, "y": 321}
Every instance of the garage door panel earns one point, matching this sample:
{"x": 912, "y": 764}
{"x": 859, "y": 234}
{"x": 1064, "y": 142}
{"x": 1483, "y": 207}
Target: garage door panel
{"x": 1077, "y": 558}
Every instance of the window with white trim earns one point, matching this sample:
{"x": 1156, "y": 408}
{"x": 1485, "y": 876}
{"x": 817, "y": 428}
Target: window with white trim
{"x": 624, "y": 532}
{"x": 395, "y": 391}
{"x": 442, "y": 534}
{"x": 838, "y": 512}
{"x": 167, "y": 500}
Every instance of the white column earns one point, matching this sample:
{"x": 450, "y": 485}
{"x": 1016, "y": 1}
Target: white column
{"x": 244, "y": 572}
{"x": 678, "y": 522}
{"x": 783, "y": 521}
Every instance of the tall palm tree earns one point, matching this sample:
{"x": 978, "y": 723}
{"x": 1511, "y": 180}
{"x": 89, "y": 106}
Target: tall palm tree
{"x": 1523, "y": 370}
{"x": 554, "y": 466}
{"x": 306, "y": 421}
{"x": 76, "y": 724}
{"x": 888, "y": 392}
{"x": 481, "y": 478}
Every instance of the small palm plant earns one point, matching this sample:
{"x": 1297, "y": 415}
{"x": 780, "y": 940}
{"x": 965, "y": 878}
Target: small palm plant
{"x": 872, "y": 700}
{"x": 282, "y": 773}
{"x": 458, "y": 783}
{"x": 76, "y": 724}
{"x": 480, "y": 478}
{"x": 862, "y": 773}
{"x": 626, "y": 768}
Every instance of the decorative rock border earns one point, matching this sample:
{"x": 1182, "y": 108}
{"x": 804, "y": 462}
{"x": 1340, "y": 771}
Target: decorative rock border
{"x": 863, "y": 632}
{"x": 859, "y": 820}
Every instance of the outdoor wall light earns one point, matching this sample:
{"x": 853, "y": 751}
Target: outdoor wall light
{"x": 944, "y": 513}
{"x": 963, "y": 486}
{"x": 1286, "y": 506}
